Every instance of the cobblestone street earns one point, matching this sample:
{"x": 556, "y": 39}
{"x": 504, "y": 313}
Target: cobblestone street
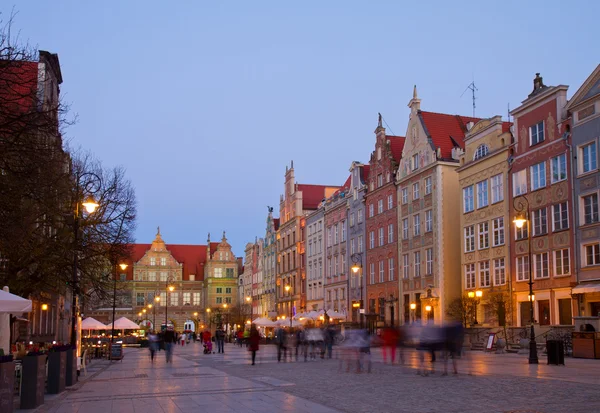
{"x": 228, "y": 383}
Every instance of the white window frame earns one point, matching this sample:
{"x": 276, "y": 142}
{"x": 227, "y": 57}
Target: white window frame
{"x": 470, "y": 276}
{"x": 468, "y": 200}
{"x": 372, "y": 273}
{"x": 391, "y": 269}
{"x": 404, "y": 193}
{"x": 416, "y": 225}
{"x": 482, "y": 194}
{"x": 497, "y": 183}
{"x": 415, "y": 162}
{"x": 428, "y": 185}
{"x": 558, "y": 168}
{"x": 390, "y": 233}
{"x": 428, "y": 220}
{"x": 381, "y": 237}
{"x": 371, "y": 239}
{"x": 405, "y": 228}
{"x": 352, "y": 219}
{"x": 429, "y": 261}
{"x": 390, "y": 201}
{"x": 592, "y": 158}
{"x": 536, "y": 132}
{"x": 380, "y": 206}
{"x": 371, "y": 210}
{"x": 594, "y": 211}
{"x": 416, "y": 191}
{"x": 519, "y": 182}
{"x": 537, "y": 175}
{"x": 484, "y": 274}
{"x": 498, "y": 230}
{"x": 405, "y": 266}
{"x": 499, "y": 271}
{"x": 563, "y": 212}
{"x": 417, "y": 259}
{"x": 360, "y": 243}
{"x": 595, "y": 255}
{"x": 522, "y": 267}
{"x": 540, "y": 219}
{"x": 483, "y": 230}
{"x": 381, "y": 271}
{"x": 470, "y": 238}
{"x": 544, "y": 268}
{"x": 359, "y": 216}
{"x": 343, "y": 225}
{"x": 562, "y": 259}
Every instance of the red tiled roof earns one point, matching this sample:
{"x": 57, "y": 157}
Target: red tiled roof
{"x": 312, "y": 195}
{"x": 276, "y": 223}
{"x": 446, "y": 131}
{"x": 506, "y": 126}
{"x": 192, "y": 258}
{"x": 396, "y": 145}
{"x": 347, "y": 183}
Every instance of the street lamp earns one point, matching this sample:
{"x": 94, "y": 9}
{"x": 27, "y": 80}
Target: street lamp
{"x": 522, "y": 218}
{"x": 169, "y": 288}
{"x": 248, "y": 300}
{"x": 357, "y": 269}
{"x": 123, "y": 268}
{"x": 413, "y": 307}
{"x": 428, "y": 311}
{"x": 157, "y": 300}
{"x": 475, "y": 296}
{"x": 92, "y": 186}
{"x": 287, "y": 290}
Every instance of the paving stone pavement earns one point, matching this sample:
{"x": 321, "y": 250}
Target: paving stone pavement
{"x": 228, "y": 383}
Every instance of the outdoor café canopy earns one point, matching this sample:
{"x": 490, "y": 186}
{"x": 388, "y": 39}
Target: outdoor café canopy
{"x": 264, "y": 322}
{"x": 10, "y": 303}
{"x": 91, "y": 323}
{"x": 335, "y": 314}
{"x": 123, "y": 323}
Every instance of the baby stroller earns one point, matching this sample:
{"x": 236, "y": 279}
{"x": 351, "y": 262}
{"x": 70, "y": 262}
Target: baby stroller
{"x": 207, "y": 347}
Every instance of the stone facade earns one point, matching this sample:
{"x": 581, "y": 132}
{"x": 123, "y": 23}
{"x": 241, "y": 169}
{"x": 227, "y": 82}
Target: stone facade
{"x": 359, "y": 175}
{"x": 540, "y": 184}
{"x": 584, "y": 113}
{"x": 485, "y": 225}
{"x": 381, "y": 270}
{"x": 336, "y": 229}
{"x": 315, "y": 256}
{"x": 269, "y": 258}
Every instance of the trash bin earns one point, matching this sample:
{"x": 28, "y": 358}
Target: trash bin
{"x": 556, "y": 352}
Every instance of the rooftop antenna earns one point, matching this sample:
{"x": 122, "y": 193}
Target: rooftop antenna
{"x": 508, "y": 110}
{"x": 472, "y": 88}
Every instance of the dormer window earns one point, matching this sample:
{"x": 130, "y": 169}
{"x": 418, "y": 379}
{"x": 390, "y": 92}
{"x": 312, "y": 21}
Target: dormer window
{"x": 152, "y": 261}
{"x": 482, "y": 150}
{"x": 536, "y": 134}
{"x": 415, "y": 162}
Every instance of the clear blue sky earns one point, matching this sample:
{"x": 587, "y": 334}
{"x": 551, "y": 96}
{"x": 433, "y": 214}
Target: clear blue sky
{"x": 206, "y": 102}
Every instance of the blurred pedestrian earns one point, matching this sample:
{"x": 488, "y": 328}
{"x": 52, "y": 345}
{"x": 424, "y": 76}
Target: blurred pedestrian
{"x": 220, "y": 338}
{"x": 153, "y": 344}
{"x": 454, "y": 338}
{"x": 280, "y": 340}
{"x": 389, "y": 337}
{"x": 253, "y": 341}
{"x": 170, "y": 340}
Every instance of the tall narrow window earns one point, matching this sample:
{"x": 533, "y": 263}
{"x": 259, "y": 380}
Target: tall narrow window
{"x": 482, "y": 194}
{"x": 390, "y": 201}
{"x": 468, "y": 205}
{"x": 417, "y": 256}
{"x": 405, "y": 228}
{"x": 427, "y": 185}
{"x": 359, "y": 215}
{"x": 470, "y": 238}
{"x": 499, "y": 272}
{"x": 497, "y": 188}
{"x": 540, "y": 222}
{"x": 335, "y": 234}
{"x": 428, "y": 221}
{"x": 343, "y": 225}
{"x": 381, "y": 237}
{"x": 429, "y": 261}
{"x": 538, "y": 176}
{"x": 498, "y": 227}
{"x": 417, "y": 224}
{"x": 519, "y": 182}
{"x": 536, "y": 133}
{"x": 484, "y": 274}
{"x": 360, "y": 243}
{"x": 589, "y": 160}
{"x": 372, "y": 239}
{"x": 540, "y": 265}
{"x": 560, "y": 217}
{"x": 381, "y": 270}
{"x": 592, "y": 254}
{"x": 405, "y": 266}
{"x": 562, "y": 264}
{"x": 371, "y": 210}
{"x": 484, "y": 240}
{"x": 470, "y": 276}
{"x": 559, "y": 168}
{"x": 390, "y": 233}
{"x": 404, "y": 193}
{"x": 590, "y": 209}
{"x": 415, "y": 191}
{"x": 372, "y": 273}
{"x": 380, "y": 206}
{"x": 391, "y": 268}
{"x": 523, "y": 268}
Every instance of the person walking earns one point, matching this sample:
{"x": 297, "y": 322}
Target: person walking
{"x": 390, "y": 341}
{"x": 170, "y": 340}
{"x": 182, "y": 339}
{"x": 280, "y": 336}
{"x": 153, "y": 341}
{"x": 253, "y": 341}
{"x": 220, "y": 337}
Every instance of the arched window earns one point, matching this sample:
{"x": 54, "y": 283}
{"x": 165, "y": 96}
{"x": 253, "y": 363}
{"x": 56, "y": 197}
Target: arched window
{"x": 482, "y": 150}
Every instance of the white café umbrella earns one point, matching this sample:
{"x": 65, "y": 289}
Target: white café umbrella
{"x": 10, "y": 304}
{"x": 264, "y": 322}
{"x": 314, "y": 314}
{"x": 334, "y": 314}
{"x": 286, "y": 323}
{"x": 91, "y": 323}
{"x": 123, "y": 323}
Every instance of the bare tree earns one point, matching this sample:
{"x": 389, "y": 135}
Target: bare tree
{"x": 460, "y": 309}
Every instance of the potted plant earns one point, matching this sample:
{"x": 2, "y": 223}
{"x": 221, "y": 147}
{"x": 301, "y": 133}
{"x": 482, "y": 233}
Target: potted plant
{"x": 7, "y": 382}
{"x": 57, "y": 368}
{"x": 33, "y": 379}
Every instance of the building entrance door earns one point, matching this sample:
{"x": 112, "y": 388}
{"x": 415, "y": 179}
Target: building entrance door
{"x": 544, "y": 312}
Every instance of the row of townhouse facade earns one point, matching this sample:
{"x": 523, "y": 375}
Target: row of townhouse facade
{"x": 429, "y": 221}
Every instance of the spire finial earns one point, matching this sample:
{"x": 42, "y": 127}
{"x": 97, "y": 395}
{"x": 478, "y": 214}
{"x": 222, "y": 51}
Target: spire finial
{"x": 379, "y": 124}
{"x": 224, "y": 236}
{"x": 415, "y": 92}
{"x": 158, "y": 230}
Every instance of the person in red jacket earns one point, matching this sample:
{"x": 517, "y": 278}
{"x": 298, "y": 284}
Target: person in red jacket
{"x": 206, "y": 336}
{"x": 390, "y": 341}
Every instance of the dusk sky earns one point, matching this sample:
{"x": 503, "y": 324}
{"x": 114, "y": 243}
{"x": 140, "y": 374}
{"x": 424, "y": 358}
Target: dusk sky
{"x": 205, "y": 103}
